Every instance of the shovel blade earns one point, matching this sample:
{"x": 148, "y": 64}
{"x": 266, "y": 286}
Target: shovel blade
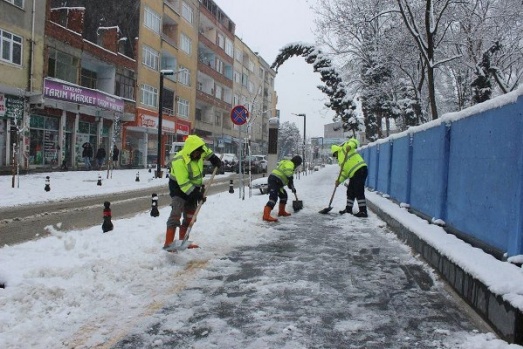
{"x": 326, "y": 210}
{"x": 297, "y": 205}
{"x": 178, "y": 245}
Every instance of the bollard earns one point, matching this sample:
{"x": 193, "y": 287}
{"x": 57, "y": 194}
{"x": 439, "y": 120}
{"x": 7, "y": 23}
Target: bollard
{"x": 47, "y": 186}
{"x": 99, "y": 180}
{"x": 137, "y": 176}
{"x": 149, "y": 167}
{"x": 107, "y": 225}
{"x": 231, "y": 189}
{"x": 154, "y": 206}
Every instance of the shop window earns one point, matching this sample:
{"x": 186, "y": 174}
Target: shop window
{"x": 44, "y": 145}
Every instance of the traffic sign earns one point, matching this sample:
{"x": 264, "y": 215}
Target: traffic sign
{"x": 239, "y": 115}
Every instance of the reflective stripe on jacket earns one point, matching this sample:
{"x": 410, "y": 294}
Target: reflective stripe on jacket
{"x": 354, "y": 161}
{"x": 285, "y": 171}
{"x": 187, "y": 173}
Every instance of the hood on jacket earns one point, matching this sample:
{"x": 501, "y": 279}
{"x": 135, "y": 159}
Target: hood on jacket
{"x": 334, "y": 149}
{"x": 192, "y": 143}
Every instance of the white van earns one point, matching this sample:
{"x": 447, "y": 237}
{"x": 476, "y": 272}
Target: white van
{"x": 175, "y": 148}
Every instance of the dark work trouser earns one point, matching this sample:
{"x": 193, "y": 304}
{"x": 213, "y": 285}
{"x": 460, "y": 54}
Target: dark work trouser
{"x": 356, "y": 190}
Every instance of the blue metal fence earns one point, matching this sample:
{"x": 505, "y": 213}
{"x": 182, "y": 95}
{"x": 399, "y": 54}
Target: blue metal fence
{"x": 465, "y": 169}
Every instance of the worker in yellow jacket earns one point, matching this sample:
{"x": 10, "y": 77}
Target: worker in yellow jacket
{"x": 281, "y": 176}
{"x": 186, "y": 186}
{"x": 355, "y": 169}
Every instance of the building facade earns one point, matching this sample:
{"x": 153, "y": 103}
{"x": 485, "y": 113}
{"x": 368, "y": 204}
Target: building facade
{"x": 108, "y": 74}
{"x": 21, "y": 69}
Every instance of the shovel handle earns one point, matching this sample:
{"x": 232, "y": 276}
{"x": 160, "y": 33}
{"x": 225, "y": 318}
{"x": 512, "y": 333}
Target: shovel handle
{"x": 199, "y": 206}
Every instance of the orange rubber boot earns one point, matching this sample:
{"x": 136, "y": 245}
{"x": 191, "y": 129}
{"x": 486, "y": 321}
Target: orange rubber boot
{"x": 267, "y": 215}
{"x": 282, "y": 211}
{"x": 183, "y": 231}
{"x": 169, "y": 236}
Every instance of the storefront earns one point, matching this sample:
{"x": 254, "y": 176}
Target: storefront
{"x": 141, "y": 139}
{"x": 74, "y": 115}
{"x": 11, "y": 120}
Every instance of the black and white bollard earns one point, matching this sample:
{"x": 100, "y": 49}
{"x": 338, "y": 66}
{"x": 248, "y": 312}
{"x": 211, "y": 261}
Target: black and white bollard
{"x": 47, "y": 186}
{"x": 154, "y": 206}
{"x": 107, "y": 225}
{"x": 231, "y": 189}
{"x": 137, "y": 176}
{"x": 99, "y": 180}
{"x": 150, "y": 170}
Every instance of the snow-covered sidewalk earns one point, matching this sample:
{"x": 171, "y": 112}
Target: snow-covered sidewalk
{"x": 77, "y": 289}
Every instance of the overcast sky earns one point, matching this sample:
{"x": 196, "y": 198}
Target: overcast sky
{"x": 266, "y": 26}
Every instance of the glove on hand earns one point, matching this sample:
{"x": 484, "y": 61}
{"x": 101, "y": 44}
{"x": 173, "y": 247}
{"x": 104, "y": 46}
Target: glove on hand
{"x": 197, "y": 196}
{"x": 293, "y": 190}
{"x": 215, "y": 161}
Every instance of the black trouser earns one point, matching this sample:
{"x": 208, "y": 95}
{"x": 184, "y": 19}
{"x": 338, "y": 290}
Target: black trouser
{"x": 356, "y": 190}
{"x": 276, "y": 191}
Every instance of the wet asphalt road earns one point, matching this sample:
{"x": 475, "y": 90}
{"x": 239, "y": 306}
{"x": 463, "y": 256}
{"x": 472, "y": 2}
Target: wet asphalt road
{"x": 23, "y": 223}
{"x": 328, "y": 281}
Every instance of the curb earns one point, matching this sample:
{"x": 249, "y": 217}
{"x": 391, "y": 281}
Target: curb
{"x": 502, "y": 316}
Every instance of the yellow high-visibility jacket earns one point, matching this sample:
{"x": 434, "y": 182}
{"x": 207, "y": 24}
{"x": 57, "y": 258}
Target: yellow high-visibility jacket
{"x": 187, "y": 174}
{"x": 285, "y": 171}
{"x": 354, "y": 160}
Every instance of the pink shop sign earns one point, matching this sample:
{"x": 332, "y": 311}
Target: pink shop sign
{"x": 81, "y": 95}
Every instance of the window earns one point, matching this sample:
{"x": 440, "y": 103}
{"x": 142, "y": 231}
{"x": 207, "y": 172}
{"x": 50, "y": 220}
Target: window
{"x": 250, "y": 66}
{"x": 229, "y": 47}
{"x": 220, "y": 40}
{"x": 19, "y": 3}
{"x": 187, "y": 12}
{"x": 125, "y": 84}
{"x": 184, "y": 76}
{"x": 183, "y": 108}
{"x": 10, "y": 47}
{"x": 186, "y": 44}
{"x": 237, "y": 76}
{"x": 88, "y": 78}
{"x": 250, "y": 87}
{"x": 238, "y": 54}
{"x": 219, "y": 66}
{"x": 261, "y": 72}
{"x": 62, "y": 66}
{"x": 150, "y": 57}
{"x": 152, "y": 20}
{"x": 218, "y": 92}
{"x": 245, "y": 80}
{"x": 149, "y": 96}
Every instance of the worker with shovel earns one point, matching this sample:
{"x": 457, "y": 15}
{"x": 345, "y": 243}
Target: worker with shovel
{"x": 281, "y": 176}
{"x": 354, "y": 168}
{"x": 186, "y": 186}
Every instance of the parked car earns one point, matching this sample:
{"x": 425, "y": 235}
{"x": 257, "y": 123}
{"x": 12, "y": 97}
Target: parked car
{"x": 208, "y": 168}
{"x": 263, "y": 162}
{"x": 255, "y": 165}
{"x": 229, "y": 162}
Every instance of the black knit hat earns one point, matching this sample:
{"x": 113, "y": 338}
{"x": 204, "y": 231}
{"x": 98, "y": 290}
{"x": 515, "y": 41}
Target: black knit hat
{"x": 296, "y": 160}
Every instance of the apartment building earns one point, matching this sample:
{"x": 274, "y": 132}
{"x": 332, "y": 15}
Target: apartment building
{"x": 21, "y": 67}
{"x": 214, "y": 81}
{"x": 105, "y": 73}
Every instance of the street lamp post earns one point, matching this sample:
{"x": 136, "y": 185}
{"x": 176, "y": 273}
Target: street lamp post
{"x": 304, "y": 134}
{"x": 163, "y": 72}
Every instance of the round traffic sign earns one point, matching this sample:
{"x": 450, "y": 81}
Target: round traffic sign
{"x": 239, "y": 115}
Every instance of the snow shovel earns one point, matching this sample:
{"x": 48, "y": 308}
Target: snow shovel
{"x": 297, "y": 204}
{"x": 328, "y": 209}
{"x": 179, "y": 245}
